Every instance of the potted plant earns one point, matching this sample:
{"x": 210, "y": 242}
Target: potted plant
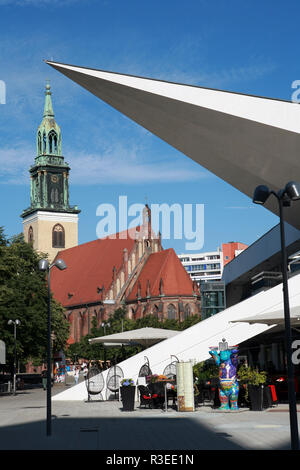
{"x": 205, "y": 371}
{"x": 127, "y": 394}
{"x": 254, "y": 381}
{"x": 156, "y": 385}
{"x": 152, "y": 378}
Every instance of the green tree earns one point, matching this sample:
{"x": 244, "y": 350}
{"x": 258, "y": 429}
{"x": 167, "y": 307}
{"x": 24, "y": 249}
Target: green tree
{"x": 190, "y": 321}
{"x": 118, "y": 323}
{"x": 23, "y": 296}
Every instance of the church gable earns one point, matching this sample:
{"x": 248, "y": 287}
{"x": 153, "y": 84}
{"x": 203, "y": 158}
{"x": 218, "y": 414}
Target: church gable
{"x": 163, "y": 289}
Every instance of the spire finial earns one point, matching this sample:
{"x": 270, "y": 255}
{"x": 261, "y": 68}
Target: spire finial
{"x": 48, "y": 87}
{"x": 48, "y": 109}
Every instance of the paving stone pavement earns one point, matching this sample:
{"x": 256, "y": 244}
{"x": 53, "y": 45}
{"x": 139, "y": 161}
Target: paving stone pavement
{"x": 104, "y": 426}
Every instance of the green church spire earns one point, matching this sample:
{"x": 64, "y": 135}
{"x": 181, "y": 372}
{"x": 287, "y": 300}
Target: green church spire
{"x": 50, "y": 173}
{"x": 48, "y": 134}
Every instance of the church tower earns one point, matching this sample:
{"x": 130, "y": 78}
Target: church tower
{"x": 50, "y": 223}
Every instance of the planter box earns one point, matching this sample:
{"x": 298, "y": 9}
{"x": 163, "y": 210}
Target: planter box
{"x": 256, "y": 394}
{"x": 127, "y": 397}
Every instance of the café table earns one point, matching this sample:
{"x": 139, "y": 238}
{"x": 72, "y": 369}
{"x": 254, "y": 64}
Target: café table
{"x": 163, "y": 383}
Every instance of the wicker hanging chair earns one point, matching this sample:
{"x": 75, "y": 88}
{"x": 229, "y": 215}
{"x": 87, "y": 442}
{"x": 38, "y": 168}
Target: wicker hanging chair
{"x": 114, "y": 370}
{"x": 145, "y": 369}
{"x": 170, "y": 369}
{"x": 114, "y": 377}
{"x": 94, "y": 381}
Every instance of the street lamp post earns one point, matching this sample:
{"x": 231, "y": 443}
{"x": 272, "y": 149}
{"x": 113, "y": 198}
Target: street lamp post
{"x": 285, "y": 196}
{"x": 15, "y": 323}
{"x": 104, "y": 325}
{"x": 45, "y": 266}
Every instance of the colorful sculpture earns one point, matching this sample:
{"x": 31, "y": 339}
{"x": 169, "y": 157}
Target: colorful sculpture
{"x": 227, "y": 360}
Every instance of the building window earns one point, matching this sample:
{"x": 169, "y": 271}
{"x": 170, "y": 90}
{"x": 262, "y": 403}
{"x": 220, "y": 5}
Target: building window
{"x": 52, "y": 142}
{"x": 39, "y": 143}
{"x": 213, "y": 266}
{"x": 44, "y": 142}
{"x": 187, "y": 311}
{"x": 54, "y": 197}
{"x": 131, "y": 313}
{"x": 58, "y": 236}
{"x": 171, "y": 312}
{"x": 30, "y": 235}
{"x": 155, "y": 311}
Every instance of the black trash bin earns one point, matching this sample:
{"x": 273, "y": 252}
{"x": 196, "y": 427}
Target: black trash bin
{"x": 256, "y": 395}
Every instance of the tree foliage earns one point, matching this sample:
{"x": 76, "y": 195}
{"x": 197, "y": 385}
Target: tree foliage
{"x": 23, "y": 296}
{"x": 118, "y": 323}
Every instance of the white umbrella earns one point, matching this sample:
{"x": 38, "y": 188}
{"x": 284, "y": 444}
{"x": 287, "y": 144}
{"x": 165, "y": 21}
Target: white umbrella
{"x": 143, "y": 336}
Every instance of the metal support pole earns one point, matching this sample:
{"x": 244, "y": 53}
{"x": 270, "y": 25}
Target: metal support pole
{"x": 288, "y": 338}
{"x": 166, "y": 399}
{"x": 44, "y": 266}
{"x": 15, "y": 359}
{"x": 49, "y": 360}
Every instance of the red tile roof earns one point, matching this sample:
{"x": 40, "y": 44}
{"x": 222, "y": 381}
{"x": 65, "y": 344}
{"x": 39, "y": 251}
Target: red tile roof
{"x": 163, "y": 265}
{"x": 89, "y": 266}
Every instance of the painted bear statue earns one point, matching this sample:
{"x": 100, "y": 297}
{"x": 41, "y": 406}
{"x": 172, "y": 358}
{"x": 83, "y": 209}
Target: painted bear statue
{"x": 227, "y": 360}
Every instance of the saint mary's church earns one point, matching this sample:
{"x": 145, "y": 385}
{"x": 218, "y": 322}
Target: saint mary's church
{"x": 129, "y": 269}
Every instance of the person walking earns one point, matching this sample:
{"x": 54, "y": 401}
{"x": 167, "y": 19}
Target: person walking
{"x": 76, "y": 375}
{"x": 44, "y": 379}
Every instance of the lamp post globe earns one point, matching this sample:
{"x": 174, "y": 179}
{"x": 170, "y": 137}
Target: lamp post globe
{"x": 43, "y": 265}
{"x": 60, "y": 264}
{"x": 292, "y": 190}
{"x": 261, "y": 194}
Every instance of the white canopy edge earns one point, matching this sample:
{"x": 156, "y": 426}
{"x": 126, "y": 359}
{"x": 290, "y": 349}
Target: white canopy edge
{"x": 269, "y": 111}
{"x": 273, "y": 318}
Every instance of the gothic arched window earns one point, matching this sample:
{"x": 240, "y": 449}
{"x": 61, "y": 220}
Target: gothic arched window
{"x": 58, "y": 236}
{"x": 187, "y": 311}
{"x": 52, "y": 142}
{"x": 30, "y": 235}
{"x": 155, "y": 311}
{"x": 171, "y": 312}
{"x": 54, "y": 197}
{"x": 131, "y": 313}
{"x": 39, "y": 143}
{"x": 44, "y": 142}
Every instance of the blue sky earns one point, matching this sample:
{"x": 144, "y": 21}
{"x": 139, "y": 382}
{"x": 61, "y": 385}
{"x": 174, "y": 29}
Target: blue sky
{"x": 248, "y": 47}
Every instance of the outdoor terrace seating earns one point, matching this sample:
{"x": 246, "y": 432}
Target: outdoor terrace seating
{"x": 145, "y": 396}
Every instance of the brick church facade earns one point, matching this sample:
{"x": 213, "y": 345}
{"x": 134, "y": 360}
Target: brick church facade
{"x": 128, "y": 270}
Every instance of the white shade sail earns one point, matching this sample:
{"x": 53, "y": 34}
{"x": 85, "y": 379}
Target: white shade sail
{"x": 243, "y": 139}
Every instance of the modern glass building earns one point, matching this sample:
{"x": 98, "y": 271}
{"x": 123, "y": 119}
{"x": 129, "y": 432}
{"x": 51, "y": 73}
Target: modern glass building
{"x": 213, "y": 298}
{"x": 207, "y": 270}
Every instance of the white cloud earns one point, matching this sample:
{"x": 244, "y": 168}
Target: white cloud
{"x": 219, "y": 79}
{"x": 112, "y": 169}
{"x": 114, "y": 166}
{"x": 14, "y": 164}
